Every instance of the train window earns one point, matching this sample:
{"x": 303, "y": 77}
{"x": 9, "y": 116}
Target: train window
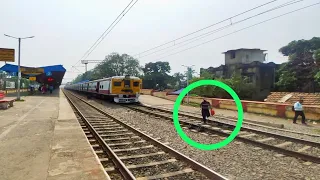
{"x": 102, "y": 86}
{"x": 116, "y": 83}
{"x": 135, "y": 84}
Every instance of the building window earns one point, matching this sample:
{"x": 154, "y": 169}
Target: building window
{"x": 232, "y": 54}
{"x": 250, "y": 79}
{"x": 116, "y": 83}
{"x": 135, "y": 84}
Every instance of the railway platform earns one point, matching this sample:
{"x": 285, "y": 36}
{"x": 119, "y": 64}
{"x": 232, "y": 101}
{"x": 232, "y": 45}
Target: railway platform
{"x": 272, "y": 122}
{"x": 41, "y": 138}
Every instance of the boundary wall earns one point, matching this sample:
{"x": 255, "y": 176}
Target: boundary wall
{"x": 281, "y": 110}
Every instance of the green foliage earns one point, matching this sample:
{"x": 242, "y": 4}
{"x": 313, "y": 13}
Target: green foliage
{"x": 239, "y": 84}
{"x": 189, "y": 73}
{"x": 287, "y": 81}
{"x": 177, "y": 81}
{"x": 113, "y": 65}
{"x": 156, "y": 75}
{"x": 316, "y": 56}
{"x": 317, "y": 77}
{"x": 300, "y": 46}
{"x": 299, "y": 74}
{"x": 117, "y": 65}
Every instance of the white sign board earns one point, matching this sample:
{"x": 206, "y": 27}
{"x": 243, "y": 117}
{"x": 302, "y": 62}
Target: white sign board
{"x": 10, "y": 85}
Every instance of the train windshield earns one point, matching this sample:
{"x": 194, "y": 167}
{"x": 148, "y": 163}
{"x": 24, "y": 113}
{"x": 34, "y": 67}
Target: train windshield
{"x": 126, "y": 83}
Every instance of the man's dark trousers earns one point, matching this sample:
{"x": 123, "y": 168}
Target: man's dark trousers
{"x": 299, "y": 113}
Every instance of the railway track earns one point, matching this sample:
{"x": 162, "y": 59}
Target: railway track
{"x": 283, "y": 145}
{"x": 127, "y": 153}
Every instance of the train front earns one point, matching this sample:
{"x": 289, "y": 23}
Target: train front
{"x": 127, "y": 89}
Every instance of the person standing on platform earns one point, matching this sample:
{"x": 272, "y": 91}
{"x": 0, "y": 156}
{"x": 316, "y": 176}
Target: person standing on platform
{"x": 44, "y": 89}
{"x": 205, "y": 107}
{"x": 50, "y": 89}
{"x": 31, "y": 88}
{"x": 298, "y": 111}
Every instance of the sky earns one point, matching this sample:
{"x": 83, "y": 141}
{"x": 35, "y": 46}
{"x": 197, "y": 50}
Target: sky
{"x": 65, "y": 29}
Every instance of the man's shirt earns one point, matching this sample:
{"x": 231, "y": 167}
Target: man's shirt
{"x": 298, "y": 106}
{"x": 205, "y": 105}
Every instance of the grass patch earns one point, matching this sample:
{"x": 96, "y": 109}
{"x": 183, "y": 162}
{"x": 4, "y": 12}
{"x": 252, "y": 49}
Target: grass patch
{"x": 317, "y": 131}
{"x": 193, "y": 95}
{"x": 192, "y": 104}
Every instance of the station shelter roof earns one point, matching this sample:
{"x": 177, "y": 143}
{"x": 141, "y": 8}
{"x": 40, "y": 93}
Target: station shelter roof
{"x": 176, "y": 92}
{"x": 50, "y": 74}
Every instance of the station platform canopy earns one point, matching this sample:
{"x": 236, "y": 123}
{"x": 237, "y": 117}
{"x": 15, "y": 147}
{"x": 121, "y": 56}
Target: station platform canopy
{"x": 47, "y": 74}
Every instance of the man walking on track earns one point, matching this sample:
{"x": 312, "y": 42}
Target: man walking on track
{"x": 298, "y": 111}
{"x": 205, "y": 107}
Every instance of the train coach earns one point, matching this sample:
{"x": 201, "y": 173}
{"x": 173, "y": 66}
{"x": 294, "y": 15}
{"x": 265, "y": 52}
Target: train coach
{"x": 120, "y": 89}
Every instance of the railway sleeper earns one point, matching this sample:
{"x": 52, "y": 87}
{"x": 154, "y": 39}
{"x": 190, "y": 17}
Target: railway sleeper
{"x": 107, "y": 128}
{"x": 126, "y": 143}
{"x": 130, "y": 167}
{"x": 122, "y": 130}
{"x": 166, "y": 175}
{"x": 133, "y": 149}
{"x": 115, "y": 135}
{"x": 135, "y": 156}
{"x": 120, "y": 139}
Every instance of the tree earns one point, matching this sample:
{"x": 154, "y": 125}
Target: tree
{"x": 178, "y": 81}
{"x": 239, "y": 84}
{"x": 301, "y": 47}
{"x": 156, "y": 75}
{"x": 287, "y": 81}
{"x": 316, "y": 57}
{"x": 117, "y": 65}
{"x": 317, "y": 77}
{"x": 2, "y": 78}
{"x": 113, "y": 65}
{"x": 189, "y": 73}
{"x": 298, "y": 74}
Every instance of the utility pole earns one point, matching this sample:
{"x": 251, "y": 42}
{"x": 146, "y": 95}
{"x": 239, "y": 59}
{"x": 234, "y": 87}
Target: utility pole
{"x": 188, "y": 67}
{"x": 19, "y": 72}
{"x": 86, "y": 62}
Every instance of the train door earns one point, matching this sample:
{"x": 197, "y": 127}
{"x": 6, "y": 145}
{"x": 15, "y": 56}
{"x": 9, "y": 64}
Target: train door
{"x": 97, "y": 87}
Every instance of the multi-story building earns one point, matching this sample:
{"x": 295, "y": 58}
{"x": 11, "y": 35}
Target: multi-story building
{"x": 249, "y": 63}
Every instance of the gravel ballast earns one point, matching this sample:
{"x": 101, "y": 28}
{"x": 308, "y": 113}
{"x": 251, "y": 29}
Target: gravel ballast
{"x": 235, "y": 161}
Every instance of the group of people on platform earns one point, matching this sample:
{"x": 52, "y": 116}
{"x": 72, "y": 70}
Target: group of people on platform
{"x": 44, "y": 88}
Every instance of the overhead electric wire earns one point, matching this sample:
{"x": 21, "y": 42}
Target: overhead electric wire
{"x": 206, "y": 27}
{"x": 112, "y": 28}
{"x": 222, "y": 28}
{"x": 106, "y": 30}
{"x": 240, "y": 30}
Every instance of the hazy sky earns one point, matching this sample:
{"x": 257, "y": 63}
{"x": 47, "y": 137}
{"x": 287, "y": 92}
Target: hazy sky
{"x": 65, "y": 29}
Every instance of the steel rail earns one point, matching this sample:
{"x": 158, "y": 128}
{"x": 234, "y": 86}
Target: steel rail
{"x": 124, "y": 171}
{"x": 295, "y": 154}
{"x": 289, "y": 138}
{"x": 195, "y": 165}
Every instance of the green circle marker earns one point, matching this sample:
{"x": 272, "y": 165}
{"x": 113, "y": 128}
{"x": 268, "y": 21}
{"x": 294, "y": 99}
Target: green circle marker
{"x": 200, "y": 145}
